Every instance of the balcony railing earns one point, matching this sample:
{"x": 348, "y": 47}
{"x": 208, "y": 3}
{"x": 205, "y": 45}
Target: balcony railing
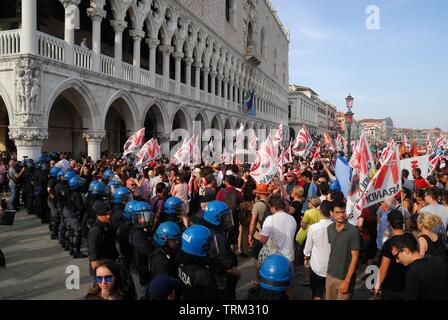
{"x": 9, "y": 42}
{"x": 159, "y": 82}
{"x": 128, "y": 71}
{"x": 107, "y": 65}
{"x": 50, "y": 47}
{"x": 83, "y": 57}
{"x": 145, "y": 77}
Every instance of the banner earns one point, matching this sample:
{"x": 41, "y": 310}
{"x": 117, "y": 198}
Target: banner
{"x": 303, "y": 143}
{"x": 329, "y": 142}
{"x": 147, "y": 153}
{"x": 134, "y": 142}
{"x": 385, "y": 185}
{"x": 184, "y": 153}
{"x": 265, "y": 167}
{"x": 418, "y": 162}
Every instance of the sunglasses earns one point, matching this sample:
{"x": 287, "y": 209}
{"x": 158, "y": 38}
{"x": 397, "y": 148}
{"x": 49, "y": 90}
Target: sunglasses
{"x": 133, "y": 185}
{"x": 100, "y": 279}
{"x": 396, "y": 255}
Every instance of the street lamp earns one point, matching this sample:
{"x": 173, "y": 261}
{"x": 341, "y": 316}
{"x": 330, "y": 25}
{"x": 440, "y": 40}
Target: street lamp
{"x": 348, "y": 121}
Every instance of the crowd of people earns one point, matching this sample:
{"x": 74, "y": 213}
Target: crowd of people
{"x": 170, "y": 232}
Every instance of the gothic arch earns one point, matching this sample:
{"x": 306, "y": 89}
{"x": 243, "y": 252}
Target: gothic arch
{"x": 132, "y": 120}
{"x": 78, "y": 90}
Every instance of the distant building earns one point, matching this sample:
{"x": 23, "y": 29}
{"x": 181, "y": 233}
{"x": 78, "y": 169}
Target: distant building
{"x": 379, "y": 129}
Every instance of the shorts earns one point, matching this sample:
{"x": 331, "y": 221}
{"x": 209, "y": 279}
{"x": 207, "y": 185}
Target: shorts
{"x": 317, "y": 285}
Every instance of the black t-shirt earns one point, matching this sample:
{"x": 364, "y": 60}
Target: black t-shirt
{"x": 427, "y": 279}
{"x": 396, "y": 274}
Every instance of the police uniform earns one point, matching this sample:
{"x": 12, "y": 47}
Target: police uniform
{"x": 76, "y": 208}
{"x": 222, "y": 258}
{"x": 61, "y": 190}
{"x": 52, "y": 204}
{"x": 197, "y": 281}
{"x": 162, "y": 263}
{"x": 139, "y": 239}
{"x": 124, "y": 246}
{"x": 42, "y": 182}
{"x": 101, "y": 243}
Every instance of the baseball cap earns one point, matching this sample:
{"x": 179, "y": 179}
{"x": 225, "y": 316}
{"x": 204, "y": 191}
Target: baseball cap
{"x": 161, "y": 286}
{"x": 101, "y": 207}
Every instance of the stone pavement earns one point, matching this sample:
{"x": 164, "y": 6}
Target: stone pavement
{"x": 36, "y": 266}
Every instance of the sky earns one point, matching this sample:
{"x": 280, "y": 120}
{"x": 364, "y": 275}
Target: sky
{"x": 399, "y": 70}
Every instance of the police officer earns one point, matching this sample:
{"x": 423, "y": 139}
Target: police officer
{"x": 194, "y": 269}
{"x": 28, "y": 185}
{"x": 217, "y": 218}
{"x": 139, "y": 238}
{"x": 172, "y": 211}
{"x": 66, "y": 214}
{"x": 96, "y": 192}
{"x": 108, "y": 175}
{"x": 123, "y": 233}
{"x": 52, "y": 204}
{"x": 76, "y": 209}
{"x": 112, "y": 187}
{"x": 61, "y": 189}
{"x": 166, "y": 241}
{"x": 274, "y": 278}
{"x": 101, "y": 237}
{"x": 42, "y": 177}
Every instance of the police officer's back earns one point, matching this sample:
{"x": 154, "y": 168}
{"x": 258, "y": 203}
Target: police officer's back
{"x": 166, "y": 241}
{"x": 101, "y": 238}
{"x": 194, "y": 269}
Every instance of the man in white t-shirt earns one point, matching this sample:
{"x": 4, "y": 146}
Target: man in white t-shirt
{"x": 317, "y": 251}
{"x": 279, "y": 227}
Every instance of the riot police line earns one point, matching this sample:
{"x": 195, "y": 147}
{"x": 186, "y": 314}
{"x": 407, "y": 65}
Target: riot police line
{"x": 139, "y": 245}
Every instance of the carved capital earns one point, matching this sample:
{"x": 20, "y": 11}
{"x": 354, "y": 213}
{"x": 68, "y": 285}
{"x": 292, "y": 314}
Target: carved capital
{"x": 197, "y": 65}
{"x": 67, "y": 3}
{"x": 118, "y": 25}
{"x": 152, "y": 42}
{"x": 206, "y": 69}
{"x": 28, "y": 136}
{"x": 96, "y": 14}
{"x": 165, "y": 49}
{"x": 189, "y": 61}
{"x": 213, "y": 74}
{"x": 178, "y": 56}
{"x": 164, "y": 137}
{"x": 95, "y": 136}
{"x": 136, "y": 35}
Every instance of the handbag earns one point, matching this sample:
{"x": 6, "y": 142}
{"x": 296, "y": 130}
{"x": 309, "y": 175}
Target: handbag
{"x": 268, "y": 249}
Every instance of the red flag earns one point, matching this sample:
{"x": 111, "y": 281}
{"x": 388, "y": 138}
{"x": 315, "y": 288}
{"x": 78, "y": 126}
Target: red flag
{"x": 329, "y": 142}
{"x": 303, "y": 143}
{"x": 134, "y": 142}
{"x": 184, "y": 153}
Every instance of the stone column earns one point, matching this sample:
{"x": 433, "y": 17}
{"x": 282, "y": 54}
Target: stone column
{"x": 206, "y": 72}
{"x": 166, "y": 50}
{"x": 118, "y": 26}
{"x": 28, "y": 141}
{"x": 198, "y": 66}
{"x": 152, "y": 44}
{"x": 94, "y": 138}
{"x": 213, "y": 82}
{"x": 188, "y": 62}
{"x": 137, "y": 36}
{"x": 28, "y": 37}
{"x": 96, "y": 15}
{"x": 220, "y": 77}
{"x": 164, "y": 140}
{"x": 178, "y": 57}
{"x": 226, "y": 91}
{"x": 231, "y": 91}
{"x": 71, "y": 8}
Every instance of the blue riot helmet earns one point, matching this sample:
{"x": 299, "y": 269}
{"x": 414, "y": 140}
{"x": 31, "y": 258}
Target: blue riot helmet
{"x": 73, "y": 183}
{"x": 69, "y": 175}
{"x": 97, "y": 189}
{"x": 166, "y": 231}
{"x": 275, "y": 273}
{"x": 122, "y": 195}
{"x": 218, "y": 213}
{"x": 54, "y": 171}
{"x": 335, "y": 186}
{"x": 128, "y": 209}
{"x": 195, "y": 240}
{"x": 113, "y": 185}
{"x": 107, "y": 175}
{"x": 44, "y": 157}
{"x": 173, "y": 206}
{"x": 142, "y": 214}
{"x": 60, "y": 174}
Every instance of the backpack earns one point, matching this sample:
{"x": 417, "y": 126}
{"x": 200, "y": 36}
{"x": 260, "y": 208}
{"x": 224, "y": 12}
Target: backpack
{"x": 267, "y": 213}
{"x": 232, "y": 202}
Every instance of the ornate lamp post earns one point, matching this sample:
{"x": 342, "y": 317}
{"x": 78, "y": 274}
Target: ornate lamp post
{"x": 348, "y": 121}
